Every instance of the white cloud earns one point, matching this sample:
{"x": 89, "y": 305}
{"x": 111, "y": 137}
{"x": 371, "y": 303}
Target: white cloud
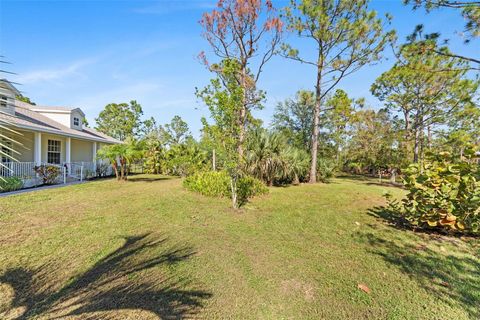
{"x": 55, "y": 74}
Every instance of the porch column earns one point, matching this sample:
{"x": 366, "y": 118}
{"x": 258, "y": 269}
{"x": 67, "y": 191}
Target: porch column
{"x": 68, "y": 152}
{"x": 94, "y": 156}
{"x": 37, "y": 148}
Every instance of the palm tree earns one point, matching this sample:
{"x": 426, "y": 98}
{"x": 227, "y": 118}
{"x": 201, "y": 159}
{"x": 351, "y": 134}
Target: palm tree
{"x": 264, "y": 158}
{"x": 297, "y": 163}
{"x": 121, "y": 155}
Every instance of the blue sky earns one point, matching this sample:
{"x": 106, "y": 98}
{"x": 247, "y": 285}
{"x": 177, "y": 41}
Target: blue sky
{"x": 89, "y": 53}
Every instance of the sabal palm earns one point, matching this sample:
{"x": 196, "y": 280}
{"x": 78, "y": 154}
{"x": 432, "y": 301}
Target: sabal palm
{"x": 264, "y": 159}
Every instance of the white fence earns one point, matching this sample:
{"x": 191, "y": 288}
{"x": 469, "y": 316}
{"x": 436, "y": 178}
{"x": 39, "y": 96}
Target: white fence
{"x": 68, "y": 171}
{"x": 23, "y": 170}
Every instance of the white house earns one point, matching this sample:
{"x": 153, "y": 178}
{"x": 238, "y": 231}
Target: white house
{"x": 50, "y": 135}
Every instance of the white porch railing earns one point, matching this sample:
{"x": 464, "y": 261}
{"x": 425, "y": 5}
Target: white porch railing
{"x": 75, "y": 170}
{"x": 81, "y": 170}
{"x": 23, "y": 170}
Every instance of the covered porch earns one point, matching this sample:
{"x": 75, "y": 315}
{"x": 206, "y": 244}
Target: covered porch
{"x": 76, "y": 158}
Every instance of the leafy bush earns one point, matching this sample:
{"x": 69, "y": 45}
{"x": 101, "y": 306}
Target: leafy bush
{"x": 10, "y": 184}
{"x": 217, "y": 184}
{"x": 209, "y": 183}
{"x": 48, "y": 173}
{"x": 442, "y": 194}
{"x": 249, "y": 187}
{"x": 325, "y": 169}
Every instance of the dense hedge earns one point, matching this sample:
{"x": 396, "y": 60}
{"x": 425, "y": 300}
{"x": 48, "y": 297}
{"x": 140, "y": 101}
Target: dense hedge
{"x": 217, "y": 184}
{"x": 443, "y": 194}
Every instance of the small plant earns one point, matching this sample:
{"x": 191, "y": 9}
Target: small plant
{"x": 10, "y": 184}
{"x": 442, "y": 194}
{"x": 102, "y": 169}
{"x": 325, "y": 169}
{"x": 218, "y": 184}
{"x": 48, "y": 173}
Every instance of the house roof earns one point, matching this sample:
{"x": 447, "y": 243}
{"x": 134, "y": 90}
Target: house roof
{"x": 26, "y": 118}
{"x": 4, "y": 83}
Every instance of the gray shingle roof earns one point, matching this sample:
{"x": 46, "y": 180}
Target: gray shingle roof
{"x": 26, "y": 118}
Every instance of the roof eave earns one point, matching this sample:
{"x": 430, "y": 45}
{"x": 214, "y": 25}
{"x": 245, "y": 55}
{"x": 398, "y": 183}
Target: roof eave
{"x": 64, "y": 134}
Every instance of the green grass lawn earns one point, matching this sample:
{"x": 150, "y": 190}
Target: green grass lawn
{"x": 148, "y": 249}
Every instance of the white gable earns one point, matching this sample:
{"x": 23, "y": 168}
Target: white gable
{"x": 71, "y": 118}
{"x": 7, "y": 97}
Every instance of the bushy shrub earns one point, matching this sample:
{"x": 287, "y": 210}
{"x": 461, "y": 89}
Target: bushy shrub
{"x": 249, "y": 187}
{"x": 48, "y": 173}
{"x": 325, "y": 169}
{"x": 10, "y": 184}
{"x": 218, "y": 184}
{"x": 442, "y": 194}
{"x": 209, "y": 183}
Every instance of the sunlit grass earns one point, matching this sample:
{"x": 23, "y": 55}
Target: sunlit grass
{"x": 147, "y": 248}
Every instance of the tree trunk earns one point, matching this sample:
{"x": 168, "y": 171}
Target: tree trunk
{"x": 422, "y": 141}
{"x": 393, "y": 177}
{"x": 243, "y": 112}
{"x": 214, "y": 161}
{"x": 416, "y": 149}
{"x": 316, "y": 120}
{"x": 122, "y": 169}
{"x": 115, "y": 169}
{"x": 429, "y": 137}
{"x": 233, "y": 186}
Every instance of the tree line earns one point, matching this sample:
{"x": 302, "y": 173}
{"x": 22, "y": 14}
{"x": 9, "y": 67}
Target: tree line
{"x": 429, "y": 96}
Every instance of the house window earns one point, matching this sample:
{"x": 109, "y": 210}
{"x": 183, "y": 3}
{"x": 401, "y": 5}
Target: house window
{"x": 6, "y": 151}
{"x": 76, "y": 121}
{"x": 3, "y": 101}
{"x": 53, "y": 152}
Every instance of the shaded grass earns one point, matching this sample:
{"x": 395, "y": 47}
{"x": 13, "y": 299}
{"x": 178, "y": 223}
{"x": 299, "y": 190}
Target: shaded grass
{"x": 150, "y": 249}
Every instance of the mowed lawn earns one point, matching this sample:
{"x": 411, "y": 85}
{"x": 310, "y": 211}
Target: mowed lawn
{"x": 148, "y": 249}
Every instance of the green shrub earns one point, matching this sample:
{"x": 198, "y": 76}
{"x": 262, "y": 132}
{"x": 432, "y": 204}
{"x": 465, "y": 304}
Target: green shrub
{"x": 325, "y": 169}
{"x": 249, "y": 187}
{"x": 217, "y": 184}
{"x": 209, "y": 183}
{"x": 10, "y": 184}
{"x": 442, "y": 194}
{"x": 48, "y": 173}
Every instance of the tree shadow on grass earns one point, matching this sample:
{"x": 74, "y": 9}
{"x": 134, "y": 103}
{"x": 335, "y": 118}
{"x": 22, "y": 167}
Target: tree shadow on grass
{"x": 389, "y": 216}
{"x": 446, "y": 267}
{"x": 133, "y": 178}
{"x": 121, "y": 280}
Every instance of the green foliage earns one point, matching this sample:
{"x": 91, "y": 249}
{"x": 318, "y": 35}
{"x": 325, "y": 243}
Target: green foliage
{"x": 185, "y": 159}
{"x": 121, "y": 121}
{"x": 48, "y": 173}
{"x": 294, "y": 119}
{"x": 122, "y": 155}
{"x": 272, "y": 160}
{"x": 372, "y": 143}
{"x": 443, "y": 194}
{"x": 345, "y": 35}
{"x": 325, "y": 169}
{"x": 175, "y": 132}
{"x": 10, "y": 184}
{"x": 219, "y": 184}
{"x": 25, "y": 99}
{"x": 224, "y": 98}
{"x": 426, "y": 89}
{"x": 264, "y": 159}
